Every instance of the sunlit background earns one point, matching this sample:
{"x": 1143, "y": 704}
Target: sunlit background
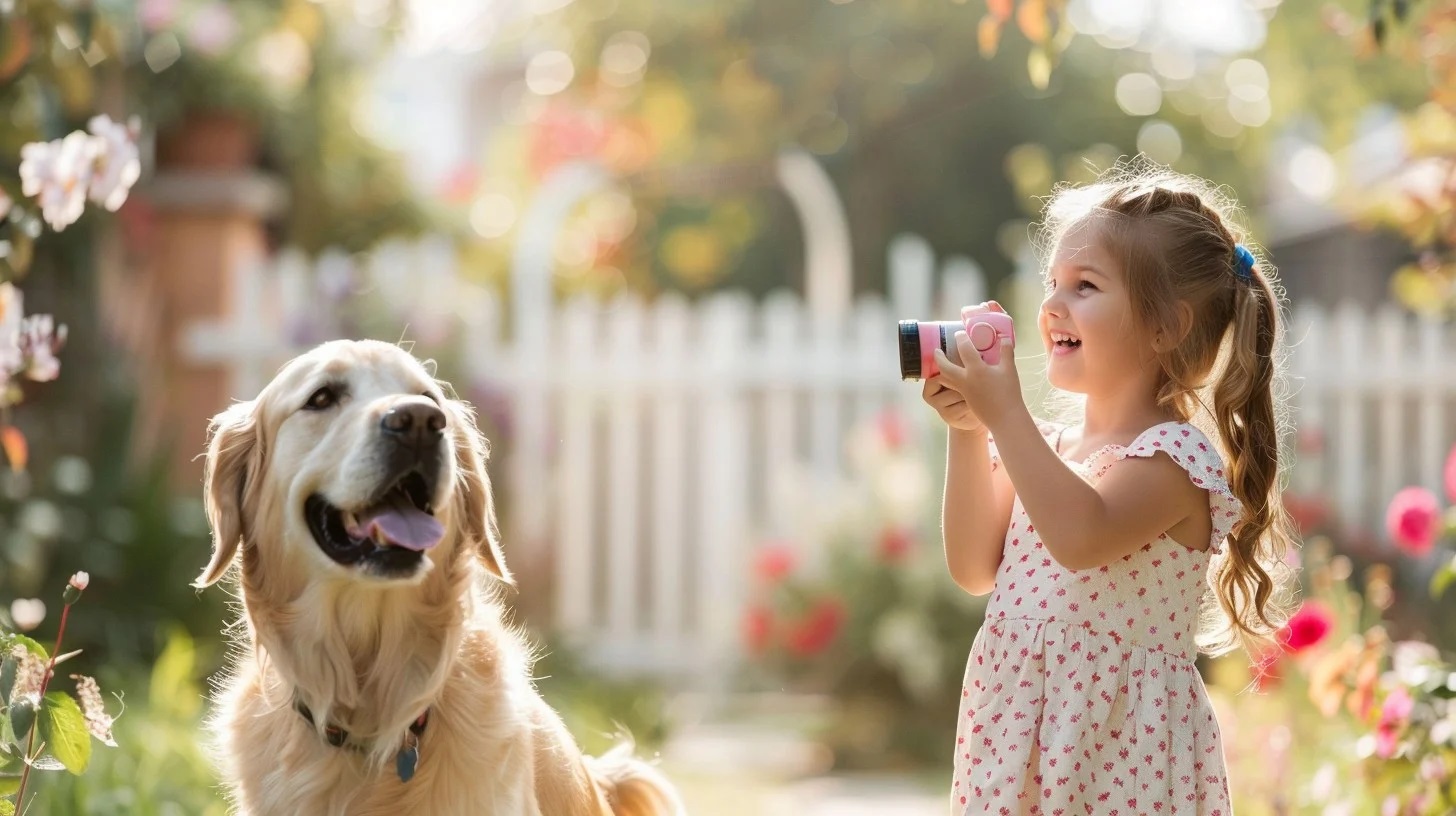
{"x": 662, "y": 247}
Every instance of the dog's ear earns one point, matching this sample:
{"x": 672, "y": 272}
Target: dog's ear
{"x": 233, "y": 467}
{"x": 473, "y": 499}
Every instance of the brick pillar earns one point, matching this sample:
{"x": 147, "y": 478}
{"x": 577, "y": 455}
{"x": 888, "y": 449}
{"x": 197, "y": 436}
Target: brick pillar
{"x": 210, "y": 205}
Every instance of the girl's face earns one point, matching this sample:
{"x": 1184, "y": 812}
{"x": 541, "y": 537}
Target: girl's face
{"x": 1086, "y": 320}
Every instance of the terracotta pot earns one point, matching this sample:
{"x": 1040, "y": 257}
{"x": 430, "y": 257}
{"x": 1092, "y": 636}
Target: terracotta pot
{"x": 209, "y": 140}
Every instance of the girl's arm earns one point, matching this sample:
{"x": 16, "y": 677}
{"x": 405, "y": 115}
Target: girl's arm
{"x": 975, "y": 512}
{"x": 1082, "y": 526}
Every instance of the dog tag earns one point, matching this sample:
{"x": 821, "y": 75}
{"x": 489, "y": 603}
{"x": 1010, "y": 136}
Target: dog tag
{"x": 407, "y": 758}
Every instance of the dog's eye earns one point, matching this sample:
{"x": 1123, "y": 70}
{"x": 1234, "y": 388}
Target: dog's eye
{"x": 322, "y": 399}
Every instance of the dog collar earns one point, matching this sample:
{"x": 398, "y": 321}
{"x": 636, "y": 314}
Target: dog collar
{"x": 404, "y": 762}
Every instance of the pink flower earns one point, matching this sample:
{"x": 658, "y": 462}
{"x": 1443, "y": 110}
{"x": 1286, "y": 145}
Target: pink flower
{"x": 80, "y": 581}
{"x": 757, "y": 628}
{"x": 1393, "y": 715}
{"x": 892, "y": 429}
{"x": 773, "y": 563}
{"x": 1307, "y": 627}
{"x": 1413, "y": 520}
{"x": 895, "y": 544}
{"x": 814, "y": 632}
{"x": 1265, "y": 670}
{"x": 1309, "y": 513}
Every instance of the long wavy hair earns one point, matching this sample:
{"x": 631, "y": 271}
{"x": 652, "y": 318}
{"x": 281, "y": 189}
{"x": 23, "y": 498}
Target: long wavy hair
{"x": 1175, "y": 236}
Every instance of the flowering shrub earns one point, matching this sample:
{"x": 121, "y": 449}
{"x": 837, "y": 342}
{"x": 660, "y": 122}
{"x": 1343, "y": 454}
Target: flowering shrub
{"x": 860, "y": 607}
{"x": 41, "y": 729}
{"x": 1348, "y": 692}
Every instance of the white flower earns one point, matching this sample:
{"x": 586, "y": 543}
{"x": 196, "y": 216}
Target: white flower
{"x": 57, "y": 174}
{"x": 93, "y": 708}
{"x": 81, "y": 580}
{"x": 118, "y": 163}
{"x": 40, "y": 339}
{"x": 12, "y": 359}
{"x": 30, "y": 674}
{"x": 213, "y": 29}
{"x": 27, "y": 613}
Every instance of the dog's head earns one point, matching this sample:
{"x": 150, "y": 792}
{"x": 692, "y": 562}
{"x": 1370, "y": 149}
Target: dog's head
{"x": 353, "y": 464}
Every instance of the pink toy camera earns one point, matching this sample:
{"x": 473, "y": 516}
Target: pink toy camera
{"x": 920, "y": 338}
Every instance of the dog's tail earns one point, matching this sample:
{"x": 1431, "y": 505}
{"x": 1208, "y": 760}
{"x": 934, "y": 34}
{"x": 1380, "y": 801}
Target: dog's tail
{"x": 633, "y": 787}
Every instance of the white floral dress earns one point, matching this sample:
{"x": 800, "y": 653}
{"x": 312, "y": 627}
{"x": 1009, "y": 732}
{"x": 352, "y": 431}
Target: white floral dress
{"x": 1080, "y": 694}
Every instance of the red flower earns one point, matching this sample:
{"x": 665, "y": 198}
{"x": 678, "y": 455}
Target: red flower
{"x": 757, "y": 628}
{"x": 895, "y": 544}
{"x": 1307, "y": 627}
{"x": 1308, "y": 512}
{"x": 1393, "y": 715}
{"x": 892, "y": 429}
{"x": 1413, "y": 520}
{"x": 773, "y": 563}
{"x": 1266, "y": 670}
{"x": 814, "y": 632}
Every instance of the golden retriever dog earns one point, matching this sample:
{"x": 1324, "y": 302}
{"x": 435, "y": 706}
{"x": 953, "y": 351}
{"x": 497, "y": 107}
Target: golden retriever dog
{"x": 375, "y": 674}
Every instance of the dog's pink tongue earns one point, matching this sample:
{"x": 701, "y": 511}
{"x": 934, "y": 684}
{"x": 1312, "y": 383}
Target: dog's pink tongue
{"x": 401, "y": 523}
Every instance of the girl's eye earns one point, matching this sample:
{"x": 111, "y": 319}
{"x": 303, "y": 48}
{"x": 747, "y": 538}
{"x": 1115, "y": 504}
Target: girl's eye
{"x": 322, "y": 399}
{"x": 1086, "y": 285}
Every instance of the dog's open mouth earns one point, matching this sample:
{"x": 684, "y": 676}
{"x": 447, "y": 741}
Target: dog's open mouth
{"x": 390, "y": 535}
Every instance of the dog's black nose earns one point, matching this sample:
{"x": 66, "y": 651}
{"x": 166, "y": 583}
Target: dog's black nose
{"x": 416, "y": 423}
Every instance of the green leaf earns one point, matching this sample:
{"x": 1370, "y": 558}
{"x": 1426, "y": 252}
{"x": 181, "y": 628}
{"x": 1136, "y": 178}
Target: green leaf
{"x": 7, "y": 679}
{"x": 1443, "y": 578}
{"x": 7, "y": 807}
{"x": 9, "y": 785}
{"x": 63, "y": 727}
{"x": 22, "y": 717}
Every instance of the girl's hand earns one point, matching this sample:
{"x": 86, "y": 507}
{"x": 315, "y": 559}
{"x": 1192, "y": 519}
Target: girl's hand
{"x": 991, "y": 393}
{"x": 951, "y": 406}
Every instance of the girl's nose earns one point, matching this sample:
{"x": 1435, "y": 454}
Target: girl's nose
{"x": 1052, "y": 306}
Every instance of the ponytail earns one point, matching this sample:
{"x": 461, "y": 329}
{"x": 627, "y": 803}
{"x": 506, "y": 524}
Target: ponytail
{"x": 1249, "y": 580}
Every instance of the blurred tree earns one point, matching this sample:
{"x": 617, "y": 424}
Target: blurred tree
{"x": 918, "y": 130}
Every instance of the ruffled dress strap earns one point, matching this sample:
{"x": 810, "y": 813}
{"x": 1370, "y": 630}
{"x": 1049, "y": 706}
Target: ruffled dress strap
{"x": 1196, "y": 454}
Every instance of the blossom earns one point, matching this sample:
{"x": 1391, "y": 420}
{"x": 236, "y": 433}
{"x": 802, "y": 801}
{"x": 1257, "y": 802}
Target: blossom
{"x": 773, "y": 563}
{"x": 1265, "y": 669}
{"x": 80, "y": 580}
{"x": 1394, "y": 713}
{"x": 30, "y": 674}
{"x": 40, "y": 340}
{"x": 156, "y": 15}
{"x": 817, "y": 629}
{"x": 98, "y": 722}
{"x": 27, "y": 613}
{"x": 893, "y": 430}
{"x": 118, "y": 162}
{"x": 895, "y": 544}
{"x": 214, "y": 27}
{"x": 757, "y": 628}
{"x": 1413, "y": 520}
{"x": 1307, "y": 627}
{"x": 1309, "y": 513}
{"x": 57, "y": 174}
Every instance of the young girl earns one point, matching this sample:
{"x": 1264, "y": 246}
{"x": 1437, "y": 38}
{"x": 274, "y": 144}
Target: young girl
{"x": 1099, "y": 540}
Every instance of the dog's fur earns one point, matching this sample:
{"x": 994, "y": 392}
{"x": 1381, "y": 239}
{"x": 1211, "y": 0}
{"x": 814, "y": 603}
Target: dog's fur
{"x": 367, "y": 654}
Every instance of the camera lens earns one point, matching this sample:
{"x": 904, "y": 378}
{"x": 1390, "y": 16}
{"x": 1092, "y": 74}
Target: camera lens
{"x": 909, "y": 349}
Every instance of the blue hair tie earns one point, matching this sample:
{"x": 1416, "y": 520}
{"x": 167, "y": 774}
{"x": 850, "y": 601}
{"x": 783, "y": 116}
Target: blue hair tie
{"x": 1243, "y": 262}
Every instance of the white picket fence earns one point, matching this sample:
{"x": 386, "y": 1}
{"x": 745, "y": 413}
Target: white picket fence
{"x": 1377, "y": 386}
{"x": 651, "y": 441}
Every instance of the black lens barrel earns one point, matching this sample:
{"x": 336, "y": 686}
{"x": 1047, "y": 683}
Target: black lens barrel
{"x": 909, "y": 349}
